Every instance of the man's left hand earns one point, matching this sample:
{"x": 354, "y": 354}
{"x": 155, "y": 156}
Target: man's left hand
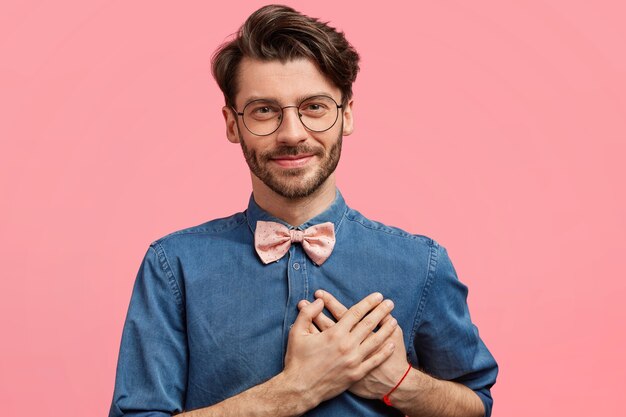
{"x": 381, "y": 379}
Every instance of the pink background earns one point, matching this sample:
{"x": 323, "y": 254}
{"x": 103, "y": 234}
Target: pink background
{"x": 498, "y": 128}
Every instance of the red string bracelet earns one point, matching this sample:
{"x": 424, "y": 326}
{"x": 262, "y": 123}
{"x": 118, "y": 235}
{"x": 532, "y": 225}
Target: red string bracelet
{"x": 386, "y": 397}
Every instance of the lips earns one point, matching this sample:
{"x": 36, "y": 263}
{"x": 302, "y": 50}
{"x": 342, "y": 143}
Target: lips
{"x": 292, "y": 161}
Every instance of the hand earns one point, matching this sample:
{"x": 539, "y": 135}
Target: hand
{"x": 380, "y": 380}
{"x": 321, "y": 365}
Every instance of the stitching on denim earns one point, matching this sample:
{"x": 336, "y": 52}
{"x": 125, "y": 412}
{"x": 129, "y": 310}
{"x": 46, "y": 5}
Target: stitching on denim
{"x": 340, "y": 222}
{"x": 285, "y": 329}
{"x": 305, "y": 276}
{"x": 385, "y": 229}
{"x": 165, "y": 266}
{"x": 432, "y": 268}
{"x": 247, "y": 218}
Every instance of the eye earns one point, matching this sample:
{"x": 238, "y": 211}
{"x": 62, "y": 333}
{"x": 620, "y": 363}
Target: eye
{"x": 265, "y": 109}
{"x": 316, "y": 107}
{"x": 262, "y": 110}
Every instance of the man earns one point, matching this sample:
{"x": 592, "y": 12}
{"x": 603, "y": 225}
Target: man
{"x": 227, "y": 318}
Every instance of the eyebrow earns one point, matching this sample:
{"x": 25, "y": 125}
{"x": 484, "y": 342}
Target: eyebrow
{"x": 299, "y": 99}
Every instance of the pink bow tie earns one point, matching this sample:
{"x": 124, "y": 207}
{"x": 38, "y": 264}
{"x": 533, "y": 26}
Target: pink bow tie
{"x": 272, "y": 241}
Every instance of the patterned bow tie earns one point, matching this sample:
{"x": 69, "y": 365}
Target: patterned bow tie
{"x": 272, "y": 241}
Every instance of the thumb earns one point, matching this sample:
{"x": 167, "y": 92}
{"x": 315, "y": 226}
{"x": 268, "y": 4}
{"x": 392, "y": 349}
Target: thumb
{"x": 306, "y": 316}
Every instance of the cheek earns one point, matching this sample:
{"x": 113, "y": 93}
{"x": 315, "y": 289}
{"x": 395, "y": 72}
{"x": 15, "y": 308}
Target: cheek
{"x": 257, "y": 149}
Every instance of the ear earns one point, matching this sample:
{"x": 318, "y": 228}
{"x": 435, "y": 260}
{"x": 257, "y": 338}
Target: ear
{"x": 348, "y": 121}
{"x": 232, "y": 128}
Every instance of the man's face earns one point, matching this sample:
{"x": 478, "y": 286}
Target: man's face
{"x": 293, "y": 161}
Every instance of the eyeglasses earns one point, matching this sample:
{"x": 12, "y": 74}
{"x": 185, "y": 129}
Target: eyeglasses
{"x": 263, "y": 117}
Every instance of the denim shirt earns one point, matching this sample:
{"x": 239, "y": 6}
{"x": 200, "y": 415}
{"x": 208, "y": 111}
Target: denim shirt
{"x": 208, "y": 320}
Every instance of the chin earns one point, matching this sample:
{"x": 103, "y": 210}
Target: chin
{"x": 293, "y": 190}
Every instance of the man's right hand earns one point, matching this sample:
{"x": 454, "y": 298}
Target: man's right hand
{"x": 321, "y": 365}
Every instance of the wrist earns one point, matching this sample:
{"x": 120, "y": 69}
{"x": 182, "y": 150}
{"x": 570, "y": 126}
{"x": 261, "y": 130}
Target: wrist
{"x": 294, "y": 393}
{"x": 387, "y": 396}
{"x": 416, "y": 382}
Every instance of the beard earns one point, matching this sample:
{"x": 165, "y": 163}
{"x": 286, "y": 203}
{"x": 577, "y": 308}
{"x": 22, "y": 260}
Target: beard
{"x": 293, "y": 183}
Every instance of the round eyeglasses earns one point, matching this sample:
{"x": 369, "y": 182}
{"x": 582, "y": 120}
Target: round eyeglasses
{"x": 263, "y": 117}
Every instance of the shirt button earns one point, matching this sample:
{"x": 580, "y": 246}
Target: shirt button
{"x": 296, "y": 266}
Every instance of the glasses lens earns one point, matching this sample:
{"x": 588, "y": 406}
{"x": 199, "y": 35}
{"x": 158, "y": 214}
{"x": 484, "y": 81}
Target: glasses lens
{"x": 262, "y": 117}
{"x": 318, "y": 113}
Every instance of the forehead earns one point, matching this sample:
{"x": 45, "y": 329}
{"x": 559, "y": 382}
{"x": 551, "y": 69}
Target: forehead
{"x": 285, "y": 82}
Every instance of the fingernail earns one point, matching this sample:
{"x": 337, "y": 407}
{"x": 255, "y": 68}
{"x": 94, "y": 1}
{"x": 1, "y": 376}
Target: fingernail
{"x": 389, "y": 303}
{"x": 394, "y": 322}
{"x": 318, "y": 301}
{"x": 319, "y": 293}
{"x": 379, "y": 296}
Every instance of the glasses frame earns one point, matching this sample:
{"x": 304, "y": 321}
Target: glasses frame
{"x": 282, "y": 112}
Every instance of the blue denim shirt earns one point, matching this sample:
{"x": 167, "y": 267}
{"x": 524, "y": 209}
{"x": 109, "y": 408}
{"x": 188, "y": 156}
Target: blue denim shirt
{"x": 208, "y": 320}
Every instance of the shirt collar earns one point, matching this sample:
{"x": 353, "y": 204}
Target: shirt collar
{"x": 334, "y": 213}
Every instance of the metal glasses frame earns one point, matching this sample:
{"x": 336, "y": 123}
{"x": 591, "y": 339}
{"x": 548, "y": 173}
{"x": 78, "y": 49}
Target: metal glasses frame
{"x": 339, "y": 106}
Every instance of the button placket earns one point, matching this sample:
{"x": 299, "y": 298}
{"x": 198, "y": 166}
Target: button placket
{"x": 297, "y": 287}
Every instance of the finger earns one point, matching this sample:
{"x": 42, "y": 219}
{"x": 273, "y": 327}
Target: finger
{"x": 357, "y": 312}
{"x": 324, "y": 322}
{"x": 398, "y": 335}
{"x": 387, "y": 317}
{"x": 306, "y": 315}
{"x": 312, "y": 327}
{"x": 335, "y": 307}
{"x": 321, "y": 322}
{"x": 374, "y": 341}
{"x": 377, "y": 358}
{"x": 372, "y": 320}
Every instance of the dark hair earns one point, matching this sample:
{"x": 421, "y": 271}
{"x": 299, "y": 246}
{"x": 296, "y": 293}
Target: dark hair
{"x": 281, "y": 33}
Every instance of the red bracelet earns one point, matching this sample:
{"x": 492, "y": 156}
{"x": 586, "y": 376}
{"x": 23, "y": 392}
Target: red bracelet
{"x": 386, "y": 397}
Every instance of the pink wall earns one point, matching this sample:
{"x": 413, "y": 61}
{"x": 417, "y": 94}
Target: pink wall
{"x": 497, "y": 128}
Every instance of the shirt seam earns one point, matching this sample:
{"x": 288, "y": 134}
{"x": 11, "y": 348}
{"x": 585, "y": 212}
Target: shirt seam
{"x": 340, "y": 221}
{"x": 167, "y": 269}
{"x": 432, "y": 269}
{"x": 396, "y": 233}
{"x": 248, "y": 221}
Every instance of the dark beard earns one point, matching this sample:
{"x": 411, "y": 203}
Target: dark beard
{"x": 282, "y": 186}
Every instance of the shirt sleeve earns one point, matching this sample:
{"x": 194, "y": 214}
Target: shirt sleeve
{"x": 446, "y": 341}
{"x": 152, "y": 366}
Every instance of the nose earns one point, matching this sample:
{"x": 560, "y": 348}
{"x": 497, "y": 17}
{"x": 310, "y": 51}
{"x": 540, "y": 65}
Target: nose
{"x": 291, "y": 130}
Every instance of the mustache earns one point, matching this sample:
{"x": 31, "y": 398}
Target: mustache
{"x": 292, "y": 151}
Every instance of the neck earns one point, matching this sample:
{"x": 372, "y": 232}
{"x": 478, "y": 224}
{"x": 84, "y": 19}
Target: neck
{"x": 294, "y": 211}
